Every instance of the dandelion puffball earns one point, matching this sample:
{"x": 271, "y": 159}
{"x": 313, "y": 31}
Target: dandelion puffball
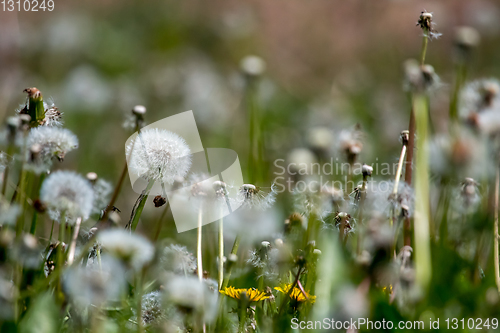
{"x": 52, "y": 142}
{"x": 159, "y": 155}
{"x": 66, "y": 192}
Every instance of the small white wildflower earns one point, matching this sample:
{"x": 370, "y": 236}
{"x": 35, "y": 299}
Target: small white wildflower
{"x": 95, "y": 284}
{"x": 176, "y": 258}
{"x": 190, "y": 293}
{"x": 252, "y": 196}
{"x": 253, "y": 65}
{"x": 66, "y": 192}
{"x": 160, "y": 155}
{"x": 135, "y": 250}
{"x": 53, "y": 142}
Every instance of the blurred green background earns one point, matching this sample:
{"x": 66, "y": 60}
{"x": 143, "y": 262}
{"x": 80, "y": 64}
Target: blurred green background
{"x": 329, "y": 63}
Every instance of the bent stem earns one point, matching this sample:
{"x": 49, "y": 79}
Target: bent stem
{"x": 421, "y": 225}
{"x": 495, "y": 240}
{"x": 72, "y": 247}
{"x": 116, "y": 192}
{"x": 234, "y": 251}
{"x": 198, "y": 246}
{"x": 136, "y": 214}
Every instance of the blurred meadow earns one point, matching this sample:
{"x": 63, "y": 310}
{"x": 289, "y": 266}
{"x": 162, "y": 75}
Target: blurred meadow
{"x": 313, "y": 72}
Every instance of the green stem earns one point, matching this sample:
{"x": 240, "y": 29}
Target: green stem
{"x": 198, "y": 246}
{"x": 495, "y": 230}
{"x": 116, "y": 192}
{"x": 421, "y": 225}
{"x": 234, "y": 251}
{"x": 221, "y": 252}
{"x": 143, "y": 198}
{"x": 424, "y": 47}
{"x": 138, "y": 290}
{"x": 460, "y": 75}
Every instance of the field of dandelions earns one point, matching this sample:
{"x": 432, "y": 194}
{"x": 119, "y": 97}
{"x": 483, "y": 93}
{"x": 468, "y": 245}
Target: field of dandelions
{"x": 81, "y": 252}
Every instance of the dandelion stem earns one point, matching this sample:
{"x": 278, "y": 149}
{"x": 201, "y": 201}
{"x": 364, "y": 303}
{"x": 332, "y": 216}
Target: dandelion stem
{"x": 424, "y": 47}
{"x": 160, "y": 221}
{"x": 198, "y": 246}
{"x": 138, "y": 292}
{"x": 72, "y": 247}
{"x": 136, "y": 214}
{"x": 234, "y": 251}
{"x": 495, "y": 240}
{"x": 221, "y": 252}
{"x": 422, "y": 243}
{"x": 116, "y": 192}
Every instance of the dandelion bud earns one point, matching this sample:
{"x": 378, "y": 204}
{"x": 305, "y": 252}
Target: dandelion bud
{"x": 34, "y": 105}
{"x": 466, "y": 38}
{"x": 367, "y": 170}
{"x": 139, "y": 110}
{"x": 159, "y": 201}
{"x": 252, "y": 65}
{"x": 92, "y": 177}
{"x": 405, "y": 137}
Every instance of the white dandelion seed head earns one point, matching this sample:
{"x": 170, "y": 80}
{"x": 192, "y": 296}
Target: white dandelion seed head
{"x": 380, "y": 199}
{"x": 152, "y": 308}
{"x": 467, "y": 37}
{"x": 102, "y": 192}
{"x": 189, "y": 292}
{"x": 54, "y": 142}
{"x": 95, "y": 284}
{"x": 320, "y": 139}
{"x": 68, "y": 193}
{"x": 177, "y": 259}
{"x": 52, "y": 116}
{"x": 301, "y": 161}
{"x": 134, "y": 250}
{"x": 350, "y": 142}
{"x": 478, "y": 96}
{"x": 160, "y": 155}
{"x": 420, "y": 78}
{"x": 467, "y": 197}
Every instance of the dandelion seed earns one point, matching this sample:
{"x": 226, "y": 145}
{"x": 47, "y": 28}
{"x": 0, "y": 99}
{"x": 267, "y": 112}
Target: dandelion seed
{"x": 52, "y": 117}
{"x": 134, "y": 250}
{"x": 65, "y": 192}
{"x": 251, "y": 294}
{"x": 296, "y": 294}
{"x": 46, "y": 143}
{"x": 159, "y": 155}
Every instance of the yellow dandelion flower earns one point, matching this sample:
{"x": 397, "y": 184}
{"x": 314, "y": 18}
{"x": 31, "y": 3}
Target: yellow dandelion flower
{"x": 387, "y": 290}
{"x": 253, "y": 295}
{"x": 296, "y": 294}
